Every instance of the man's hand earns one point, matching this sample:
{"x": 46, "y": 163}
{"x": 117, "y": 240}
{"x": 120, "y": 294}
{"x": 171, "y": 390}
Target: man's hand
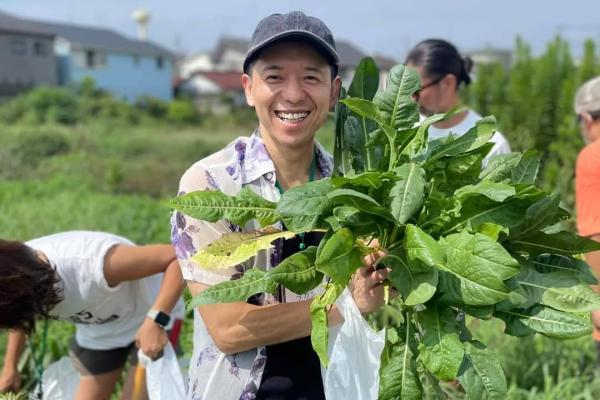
{"x": 10, "y": 380}
{"x": 151, "y": 338}
{"x": 367, "y": 284}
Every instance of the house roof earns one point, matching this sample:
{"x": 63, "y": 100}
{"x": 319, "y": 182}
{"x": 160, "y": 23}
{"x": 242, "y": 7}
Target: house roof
{"x": 229, "y": 42}
{"x": 225, "y": 80}
{"x": 95, "y": 37}
{"x": 8, "y": 23}
{"x": 350, "y": 55}
{"x": 384, "y": 62}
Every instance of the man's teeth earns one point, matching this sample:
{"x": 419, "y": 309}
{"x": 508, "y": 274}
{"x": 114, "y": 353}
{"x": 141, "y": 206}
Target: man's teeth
{"x": 294, "y": 117}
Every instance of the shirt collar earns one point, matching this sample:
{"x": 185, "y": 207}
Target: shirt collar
{"x": 258, "y": 162}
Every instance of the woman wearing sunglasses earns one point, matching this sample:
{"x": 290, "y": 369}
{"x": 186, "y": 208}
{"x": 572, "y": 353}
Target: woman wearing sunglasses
{"x": 443, "y": 71}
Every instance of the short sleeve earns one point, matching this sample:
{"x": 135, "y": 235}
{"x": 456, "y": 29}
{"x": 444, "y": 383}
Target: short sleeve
{"x": 501, "y": 145}
{"x": 587, "y": 190}
{"x": 190, "y": 235}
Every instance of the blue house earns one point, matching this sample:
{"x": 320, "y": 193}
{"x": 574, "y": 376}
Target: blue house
{"x": 126, "y": 67}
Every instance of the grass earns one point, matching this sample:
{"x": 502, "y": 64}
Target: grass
{"x": 112, "y": 177}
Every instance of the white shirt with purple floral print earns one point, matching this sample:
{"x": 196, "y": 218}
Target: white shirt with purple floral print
{"x": 244, "y": 162}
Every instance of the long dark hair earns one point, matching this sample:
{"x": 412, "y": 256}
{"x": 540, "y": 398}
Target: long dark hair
{"x": 28, "y": 287}
{"x": 440, "y": 58}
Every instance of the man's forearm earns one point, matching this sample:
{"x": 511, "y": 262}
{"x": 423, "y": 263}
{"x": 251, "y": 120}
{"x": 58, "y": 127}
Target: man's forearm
{"x": 593, "y": 259}
{"x": 171, "y": 289}
{"x": 237, "y": 327}
{"x": 16, "y": 343}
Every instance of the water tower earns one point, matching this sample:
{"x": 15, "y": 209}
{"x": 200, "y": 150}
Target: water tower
{"x": 142, "y": 17}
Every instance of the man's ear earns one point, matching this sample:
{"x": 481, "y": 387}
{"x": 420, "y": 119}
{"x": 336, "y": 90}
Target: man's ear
{"x": 450, "y": 82}
{"x": 335, "y": 91}
{"x": 247, "y": 83}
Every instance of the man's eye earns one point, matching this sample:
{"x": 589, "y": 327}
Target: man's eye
{"x": 312, "y": 78}
{"x": 272, "y": 78}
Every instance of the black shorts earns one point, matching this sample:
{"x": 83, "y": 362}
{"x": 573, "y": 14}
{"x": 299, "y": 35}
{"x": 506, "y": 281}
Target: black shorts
{"x": 97, "y": 362}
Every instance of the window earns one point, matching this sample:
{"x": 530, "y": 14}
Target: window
{"x": 95, "y": 60}
{"x": 159, "y": 62}
{"x": 40, "y": 49}
{"x": 18, "y": 46}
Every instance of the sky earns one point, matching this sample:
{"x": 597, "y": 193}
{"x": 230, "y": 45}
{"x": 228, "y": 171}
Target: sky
{"x": 376, "y": 27}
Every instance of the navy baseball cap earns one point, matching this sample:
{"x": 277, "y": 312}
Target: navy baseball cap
{"x": 295, "y": 23}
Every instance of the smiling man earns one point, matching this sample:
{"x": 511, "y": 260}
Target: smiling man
{"x": 261, "y": 349}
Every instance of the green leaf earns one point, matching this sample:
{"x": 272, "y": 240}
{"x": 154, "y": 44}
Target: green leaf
{"x": 357, "y": 131}
{"x": 440, "y": 348}
{"x": 351, "y": 216}
{"x": 364, "y": 86}
{"x": 467, "y": 166}
{"x": 562, "y": 243}
{"x": 399, "y": 376}
{"x": 483, "y": 251}
{"x": 479, "y": 209}
{"x": 360, "y": 201}
{"x": 527, "y": 169}
{"x": 308, "y": 199}
{"x": 416, "y": 282}
{"x": 538, "y": 216}
{"x": 497, "y": 191}
{"x": 480, "y": 312}
{"x": 546, "y": 321}
{"x": 561, "y": 290}
{"x": 319, "y": 335}
{"x": 516, "y": 298}
{"x": 365, "y": 82}
{"x": 481, "y": 373}
{"x": 476, "y": 137}
{"x": 413, "y": 143}
{"x": 490, "y": 230}
{"x": 395, "y": 103}
{"x": 554, "y": 263}
{"x": 238, "y": 291}
{"x": 213, "y": 206}
{"x": 339, "y": 258}
{"x": 406, "y": 196}
{"x": 475, "y": 270}
{"x": 297, "y": 272}
{"x": 421, "y": 246}
{"x": 235, "y": 248}
{"x": 341, "y": 154}
{"x": 366, "y": 179}
{"x": 500, "y": 167}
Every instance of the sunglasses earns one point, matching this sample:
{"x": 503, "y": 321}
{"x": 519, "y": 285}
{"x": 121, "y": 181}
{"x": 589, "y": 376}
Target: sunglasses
{"x": 417, "y": 95}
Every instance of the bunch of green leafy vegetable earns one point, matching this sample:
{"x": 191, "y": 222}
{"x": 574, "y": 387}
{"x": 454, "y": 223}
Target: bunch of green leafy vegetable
{"x": 465, "y": 234}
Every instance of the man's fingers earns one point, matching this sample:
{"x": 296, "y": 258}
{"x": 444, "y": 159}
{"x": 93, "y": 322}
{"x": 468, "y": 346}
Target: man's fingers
{"x": 380, "y": 275}
{"x": 370, "y": 259}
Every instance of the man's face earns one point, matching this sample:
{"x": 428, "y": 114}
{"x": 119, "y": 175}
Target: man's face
{"x": 292, "y": 92}
{"x": 433, "y": 99}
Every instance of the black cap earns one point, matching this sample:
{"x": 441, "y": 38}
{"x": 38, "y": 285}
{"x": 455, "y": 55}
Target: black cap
{"x": 295, "y": 23}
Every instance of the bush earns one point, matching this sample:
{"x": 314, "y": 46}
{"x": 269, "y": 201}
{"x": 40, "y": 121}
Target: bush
{"x": 182, "y": 112}
{"x": 151, "y": 106}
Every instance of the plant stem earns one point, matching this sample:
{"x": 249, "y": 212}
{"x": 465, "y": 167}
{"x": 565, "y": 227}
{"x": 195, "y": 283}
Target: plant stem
{"x": 394, "y": 245}
{"x": 394, "y": 233}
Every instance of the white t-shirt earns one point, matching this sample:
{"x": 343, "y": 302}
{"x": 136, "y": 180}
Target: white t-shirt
{"x": 501, "y": 146}
{"x": 106, "y": 317}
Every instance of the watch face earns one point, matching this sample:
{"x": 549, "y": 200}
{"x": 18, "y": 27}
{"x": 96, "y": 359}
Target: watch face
{"x": 162, "y": 319}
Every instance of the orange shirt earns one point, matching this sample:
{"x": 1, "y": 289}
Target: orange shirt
{"x": 587, "y": 190}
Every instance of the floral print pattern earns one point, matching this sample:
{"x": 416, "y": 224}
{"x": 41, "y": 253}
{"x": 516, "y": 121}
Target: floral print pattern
{"x": 243, "y": 163}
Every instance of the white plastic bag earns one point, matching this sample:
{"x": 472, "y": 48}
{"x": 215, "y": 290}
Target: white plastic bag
{"x": 163, "y": 376}
{"x": 354, "y": 356}
{"x": 60, "y": 380}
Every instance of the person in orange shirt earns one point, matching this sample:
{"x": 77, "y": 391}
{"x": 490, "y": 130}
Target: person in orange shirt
{"x": 587, "y": 182}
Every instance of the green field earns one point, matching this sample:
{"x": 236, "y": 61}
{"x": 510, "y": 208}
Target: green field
{"x": 77, "y": 159}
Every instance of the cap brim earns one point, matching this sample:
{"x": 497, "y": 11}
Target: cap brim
{"x": 330, "y": 51}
